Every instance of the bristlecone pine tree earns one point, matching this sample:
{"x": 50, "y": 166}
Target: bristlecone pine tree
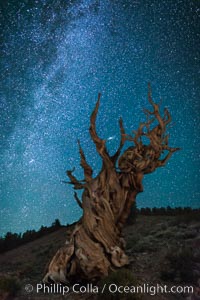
{"x": 96, "y": 244}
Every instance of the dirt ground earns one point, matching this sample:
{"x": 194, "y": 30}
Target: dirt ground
{"x": 163, "y": 250}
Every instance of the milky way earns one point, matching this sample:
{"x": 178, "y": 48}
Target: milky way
{"x": 55, "y": 58}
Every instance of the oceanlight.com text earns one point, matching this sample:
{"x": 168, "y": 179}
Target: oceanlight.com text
{"x": 111, "y": 288}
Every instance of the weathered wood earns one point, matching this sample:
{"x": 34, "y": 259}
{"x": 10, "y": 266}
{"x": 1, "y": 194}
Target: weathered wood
{"x": 96, "y": 245}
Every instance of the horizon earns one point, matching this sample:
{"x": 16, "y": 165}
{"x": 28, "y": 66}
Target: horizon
{"x": 70, "y": 224}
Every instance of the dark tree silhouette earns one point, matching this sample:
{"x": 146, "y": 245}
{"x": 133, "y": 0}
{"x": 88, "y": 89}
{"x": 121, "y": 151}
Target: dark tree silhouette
{"x": 96, "y": 244}
{"x": 56, "y": 224}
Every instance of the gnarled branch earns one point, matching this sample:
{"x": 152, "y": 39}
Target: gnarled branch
{"x": 86, "y": 167}
{"x": 122, "y": 141}
{"x": 100, "y": 144}
{"x": 78, "y": 185}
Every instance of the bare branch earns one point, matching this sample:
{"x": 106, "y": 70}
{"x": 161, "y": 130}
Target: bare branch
{"x": 122, "y": 141}
{"x": 100, "y": 144}
{"x": 156, "y": 111}
{"x": 167, "y": 117}
{"x": 161, "y": 163}
{"x": 77, "y": 183}
{"x": 78, "y": 200}
{"x": 86, "y": 167}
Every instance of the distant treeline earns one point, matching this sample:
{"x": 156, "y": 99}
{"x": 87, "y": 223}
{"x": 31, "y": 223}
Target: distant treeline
{"x": 13, "y": 240}
{"x": 163, "y": 211}
{"x": 167, "y": 211}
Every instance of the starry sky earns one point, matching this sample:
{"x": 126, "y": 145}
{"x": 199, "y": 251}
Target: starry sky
{"x": 56, "y": 55}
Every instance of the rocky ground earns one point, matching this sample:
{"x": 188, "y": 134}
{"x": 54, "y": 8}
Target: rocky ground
{"x": 163, "y": 250}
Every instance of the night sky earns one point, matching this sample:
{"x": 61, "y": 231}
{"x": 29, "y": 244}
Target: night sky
{"x": 55, "y": 58}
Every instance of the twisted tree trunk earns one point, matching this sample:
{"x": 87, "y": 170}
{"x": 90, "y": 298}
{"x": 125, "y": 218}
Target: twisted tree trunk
{"x": 96, "y": 245}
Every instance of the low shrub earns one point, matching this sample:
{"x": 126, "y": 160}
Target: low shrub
{"x": 122, "y": 277}
{"x": 9, "y": 285}
{"x": 178, "y": 265}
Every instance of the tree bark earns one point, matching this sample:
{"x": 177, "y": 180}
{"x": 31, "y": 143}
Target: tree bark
{"x": 96, "y": 245}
